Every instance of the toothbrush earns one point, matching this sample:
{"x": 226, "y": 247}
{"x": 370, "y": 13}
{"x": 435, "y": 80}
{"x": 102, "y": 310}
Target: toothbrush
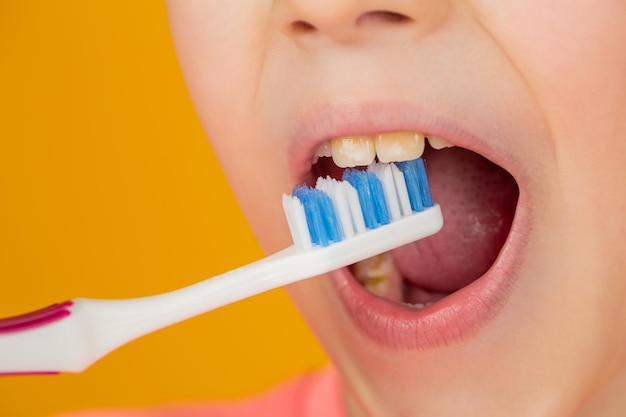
{"x": 333, "y": 225}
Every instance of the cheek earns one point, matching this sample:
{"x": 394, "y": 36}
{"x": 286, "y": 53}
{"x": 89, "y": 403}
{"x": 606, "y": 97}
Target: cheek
{"x": 572, "y": 54}
{"x": 258, "y": 179}
{"x": 221, "y": 46}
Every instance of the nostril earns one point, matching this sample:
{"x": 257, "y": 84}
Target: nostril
{"x": 369, "y": 18}
{"x": 301, "y": 26}
{"x": 382, "y": 16}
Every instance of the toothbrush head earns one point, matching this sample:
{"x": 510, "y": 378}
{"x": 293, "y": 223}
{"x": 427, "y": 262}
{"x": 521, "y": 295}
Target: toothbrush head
{"x": 363, "y": 200}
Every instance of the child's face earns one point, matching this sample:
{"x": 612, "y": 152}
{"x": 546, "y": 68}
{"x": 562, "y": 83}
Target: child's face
{"x": 527, "y": 319}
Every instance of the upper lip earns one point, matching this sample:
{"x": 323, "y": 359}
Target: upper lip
{"x": 324, "y": 121}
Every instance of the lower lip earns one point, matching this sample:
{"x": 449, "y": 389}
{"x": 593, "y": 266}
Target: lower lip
{"x": 451, "y": 320}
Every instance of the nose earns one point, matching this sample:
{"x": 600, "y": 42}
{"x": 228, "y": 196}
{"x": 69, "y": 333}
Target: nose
{"x": 350, "y": 21}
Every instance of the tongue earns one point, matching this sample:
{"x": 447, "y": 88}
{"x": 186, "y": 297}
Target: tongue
{"x": 478, "y": 200}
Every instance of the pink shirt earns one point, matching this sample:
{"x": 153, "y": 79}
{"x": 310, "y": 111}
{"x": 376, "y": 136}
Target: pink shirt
{"x": 311, "y": 395}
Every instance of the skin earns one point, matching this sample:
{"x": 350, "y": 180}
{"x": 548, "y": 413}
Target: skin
{"x": 550, "y": 76}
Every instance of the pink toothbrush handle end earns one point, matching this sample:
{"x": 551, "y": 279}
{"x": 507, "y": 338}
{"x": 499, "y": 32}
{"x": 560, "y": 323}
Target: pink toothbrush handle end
{"x": 31, "y": 320}
{"x": 35, "y": 318}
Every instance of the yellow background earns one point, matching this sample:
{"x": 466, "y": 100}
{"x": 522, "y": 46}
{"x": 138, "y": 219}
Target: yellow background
{"x": 109, "y": 189}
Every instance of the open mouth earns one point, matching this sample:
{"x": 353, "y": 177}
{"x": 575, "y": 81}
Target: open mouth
{"x": 478, "y": 200}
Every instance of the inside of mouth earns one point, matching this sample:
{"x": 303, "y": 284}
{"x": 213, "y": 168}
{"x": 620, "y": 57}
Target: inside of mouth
{"x": 478, "y": 199}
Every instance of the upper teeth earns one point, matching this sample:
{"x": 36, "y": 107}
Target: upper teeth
{"x": 350, "y": 151}
{"x": 438, "y": 143}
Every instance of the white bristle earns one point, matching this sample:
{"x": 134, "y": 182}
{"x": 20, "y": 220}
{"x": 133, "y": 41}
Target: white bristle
{"x": 358, "y": 223}
{"x": 401, "y": 190}
{"x": 346, "y": 203}
{"x": 336, "y": 193}
{"x": 296, "y": 219}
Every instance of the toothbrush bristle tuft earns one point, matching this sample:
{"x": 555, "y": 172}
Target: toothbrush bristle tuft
{"x": 417, "y": 183}
{"x": 371, "y": 197}
{"x": 320, "y": 215}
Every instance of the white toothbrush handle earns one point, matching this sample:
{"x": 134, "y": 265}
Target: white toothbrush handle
{"x": 71, "y": 336}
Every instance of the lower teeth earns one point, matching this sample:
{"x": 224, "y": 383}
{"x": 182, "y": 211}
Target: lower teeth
{"x": 378, "y": 275}
{"x": 417, "y": 306}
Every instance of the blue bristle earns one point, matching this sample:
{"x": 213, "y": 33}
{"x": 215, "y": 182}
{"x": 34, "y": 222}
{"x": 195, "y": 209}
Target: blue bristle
{"x": 320, "y": 215}
{"x": 378, "y": 196}
{"x": 371, "y": 197}
{"x": 427, "y": 198}
{"x": 417, "y": 183}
